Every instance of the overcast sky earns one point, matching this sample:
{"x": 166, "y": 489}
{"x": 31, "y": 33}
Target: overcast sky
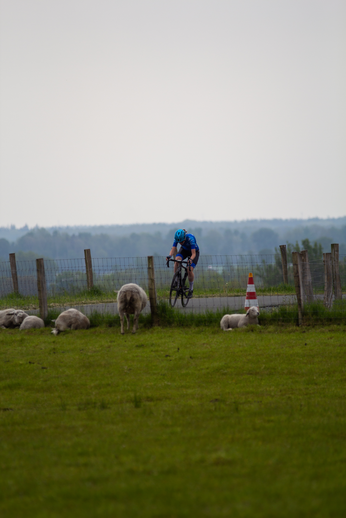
{"x": 133, "y": 111}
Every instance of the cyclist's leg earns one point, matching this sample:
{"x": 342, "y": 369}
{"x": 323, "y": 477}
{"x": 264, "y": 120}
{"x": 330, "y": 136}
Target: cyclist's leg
{"x": 178, "y": 257}
{"x": 191, "y": 277}
{"x": 182, "y": 254}
{"x": 191, "y": 273}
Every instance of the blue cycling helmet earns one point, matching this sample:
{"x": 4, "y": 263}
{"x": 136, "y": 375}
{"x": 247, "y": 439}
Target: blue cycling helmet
{"x": 180, "y": 234}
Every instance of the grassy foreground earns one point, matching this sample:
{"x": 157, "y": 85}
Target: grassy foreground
{"x": 190, "y": 422}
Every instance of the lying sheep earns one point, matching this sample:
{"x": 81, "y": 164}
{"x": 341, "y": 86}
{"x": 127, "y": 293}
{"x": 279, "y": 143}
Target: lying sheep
{"x": 32, "y": 322}
{"x": 70, "y": 319}
{"x": 10, "y": 318}
{"x": 131, "y": 299}
{"x": 229, "y": 322}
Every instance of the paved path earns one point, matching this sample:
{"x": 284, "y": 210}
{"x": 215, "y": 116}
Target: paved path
{"x": 236, "y": 303}
{"x": 196, "y": 305}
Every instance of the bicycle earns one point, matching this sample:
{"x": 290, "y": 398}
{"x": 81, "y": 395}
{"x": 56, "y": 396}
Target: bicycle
{"x": 178, "y": 285}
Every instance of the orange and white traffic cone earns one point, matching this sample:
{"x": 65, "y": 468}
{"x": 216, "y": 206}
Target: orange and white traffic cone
{"x": 251, "y": 297}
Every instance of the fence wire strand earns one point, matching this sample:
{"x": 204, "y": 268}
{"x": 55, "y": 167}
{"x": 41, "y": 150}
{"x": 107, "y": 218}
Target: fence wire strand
{"x": 220, "y": 282}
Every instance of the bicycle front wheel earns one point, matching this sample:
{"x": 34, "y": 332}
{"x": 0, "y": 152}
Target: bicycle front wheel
{"x": 184, "y": 294}
{"x": 175, "y": 289}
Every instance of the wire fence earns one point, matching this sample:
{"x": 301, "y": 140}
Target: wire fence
{"x": 220, "y": 283}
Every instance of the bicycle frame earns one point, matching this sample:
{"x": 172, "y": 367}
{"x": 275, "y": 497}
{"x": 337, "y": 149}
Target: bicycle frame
{"x": 178, "y": 287}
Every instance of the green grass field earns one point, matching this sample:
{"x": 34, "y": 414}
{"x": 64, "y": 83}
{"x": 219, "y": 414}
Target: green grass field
{"x": 173, "y": 422}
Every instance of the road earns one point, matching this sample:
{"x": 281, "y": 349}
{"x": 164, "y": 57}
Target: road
{"x": 196, "y": 305}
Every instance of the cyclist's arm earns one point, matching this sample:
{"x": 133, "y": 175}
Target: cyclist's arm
{"x": 173, "y": 251}
{"x": 193, "y": 255}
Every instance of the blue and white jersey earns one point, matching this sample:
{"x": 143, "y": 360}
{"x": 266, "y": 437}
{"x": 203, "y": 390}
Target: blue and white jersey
{"x": 189, "y": 244}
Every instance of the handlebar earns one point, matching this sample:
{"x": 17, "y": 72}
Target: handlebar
{"x": 176, "y": 261}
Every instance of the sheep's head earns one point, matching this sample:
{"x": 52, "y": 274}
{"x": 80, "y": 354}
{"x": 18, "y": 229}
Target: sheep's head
{"x": 18, "y": 317}
{"x": 252, "y": 312}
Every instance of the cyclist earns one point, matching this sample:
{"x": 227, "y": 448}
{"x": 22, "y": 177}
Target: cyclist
{"x": 188, "y": 249}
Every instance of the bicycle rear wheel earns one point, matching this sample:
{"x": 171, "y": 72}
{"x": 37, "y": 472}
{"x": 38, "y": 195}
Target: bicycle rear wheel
{"x": 175, "y": 289}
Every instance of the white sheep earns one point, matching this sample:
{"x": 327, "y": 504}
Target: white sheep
{"x": 229, "y": 322}
{"x": 32, "y": 322}
{"x": 10, "y": 318}
{"x": 70, "y": 319}
{"x": 131, "y": 299}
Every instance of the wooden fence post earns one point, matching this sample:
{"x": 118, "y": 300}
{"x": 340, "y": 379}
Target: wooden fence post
{"x": 297, "y": 274}
{"x": 307, "y": 280}
{"x": 152, "y": 290}
{"x": 328, "y": 280}
{"x": 284, "y": 263}
{"x": 14, "y": 274}
{"x": 336, "y": 271}
{"x": 42, "y": 288}
{"x": 89, "y": 268}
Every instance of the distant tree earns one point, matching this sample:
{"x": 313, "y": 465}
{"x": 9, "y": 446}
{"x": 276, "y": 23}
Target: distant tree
{"x": 266, "y": 251}
{"x": 271, "y": 274}
{"x": 27, "y": 256}
{"x": 222, "y": 238}
{"x": 264, "y": 238}
{"x": 315, "y": 250}
{"x": 85, "y": 235}
{"x": 212, "y": 243}
{"x": 325, "y": 243}
{"x": 4, "y": 248}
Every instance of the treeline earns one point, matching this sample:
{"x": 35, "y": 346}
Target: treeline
{"x": 319, "y": 227}
{"x": 213, "y": 239}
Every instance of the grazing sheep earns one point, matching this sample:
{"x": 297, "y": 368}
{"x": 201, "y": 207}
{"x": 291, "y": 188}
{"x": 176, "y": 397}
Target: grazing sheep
{"x": 31, "y": 322}
{"x": 10, "y": 318}
{"x": 70, "y": 319}
{"x": 229, "y": 322}
{"x": 131, "y": 299}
